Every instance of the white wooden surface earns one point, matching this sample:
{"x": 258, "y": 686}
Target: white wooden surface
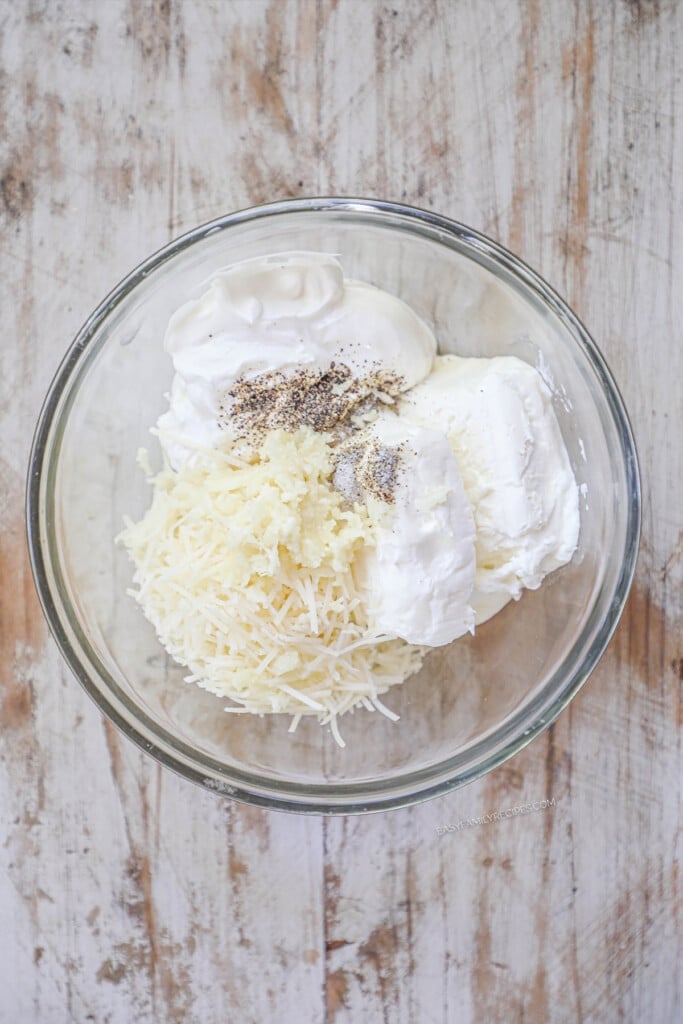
{"x": 129, "y": 895}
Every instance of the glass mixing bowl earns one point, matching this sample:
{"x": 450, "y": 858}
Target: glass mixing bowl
{"x": 476, "y": 702}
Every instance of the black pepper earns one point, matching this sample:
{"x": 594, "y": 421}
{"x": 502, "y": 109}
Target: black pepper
{"x": 325, "y": 400}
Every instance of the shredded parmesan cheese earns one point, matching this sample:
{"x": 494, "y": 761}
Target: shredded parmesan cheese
{"x": 245, "y": 567}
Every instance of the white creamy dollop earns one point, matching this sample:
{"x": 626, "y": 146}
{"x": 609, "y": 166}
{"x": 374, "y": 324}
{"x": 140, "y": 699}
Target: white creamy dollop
{"x": 419, "y": 576}
{"x": 280, "y": 313}
{"x": 499, "y": 419}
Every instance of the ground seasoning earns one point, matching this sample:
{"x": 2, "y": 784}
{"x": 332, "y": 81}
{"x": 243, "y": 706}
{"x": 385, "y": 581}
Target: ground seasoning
{"x": 331, "y": 401}
{"x": 366, "y": 466}
{"x": 324, "y": 400}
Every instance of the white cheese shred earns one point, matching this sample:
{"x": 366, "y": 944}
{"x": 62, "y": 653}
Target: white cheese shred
{"x": 245, "y": 567}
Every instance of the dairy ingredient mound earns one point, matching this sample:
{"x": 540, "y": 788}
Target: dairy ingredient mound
{"x": 337, "y": 499}
{"x": 498, "y": 417}
{"x": 247, "y": 570}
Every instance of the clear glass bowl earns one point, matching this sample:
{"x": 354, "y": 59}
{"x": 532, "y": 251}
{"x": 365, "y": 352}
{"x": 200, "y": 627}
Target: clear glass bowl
{"x": 476, "y": 702}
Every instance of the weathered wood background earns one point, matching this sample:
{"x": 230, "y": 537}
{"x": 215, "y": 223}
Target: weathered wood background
{"x": 127, "y": 895}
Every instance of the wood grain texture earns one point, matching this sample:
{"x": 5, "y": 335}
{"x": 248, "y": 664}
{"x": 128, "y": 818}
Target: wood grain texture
{"x": 127, "y": 894}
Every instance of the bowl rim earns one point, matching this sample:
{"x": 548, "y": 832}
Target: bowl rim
{"x": 333, "y": 798}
